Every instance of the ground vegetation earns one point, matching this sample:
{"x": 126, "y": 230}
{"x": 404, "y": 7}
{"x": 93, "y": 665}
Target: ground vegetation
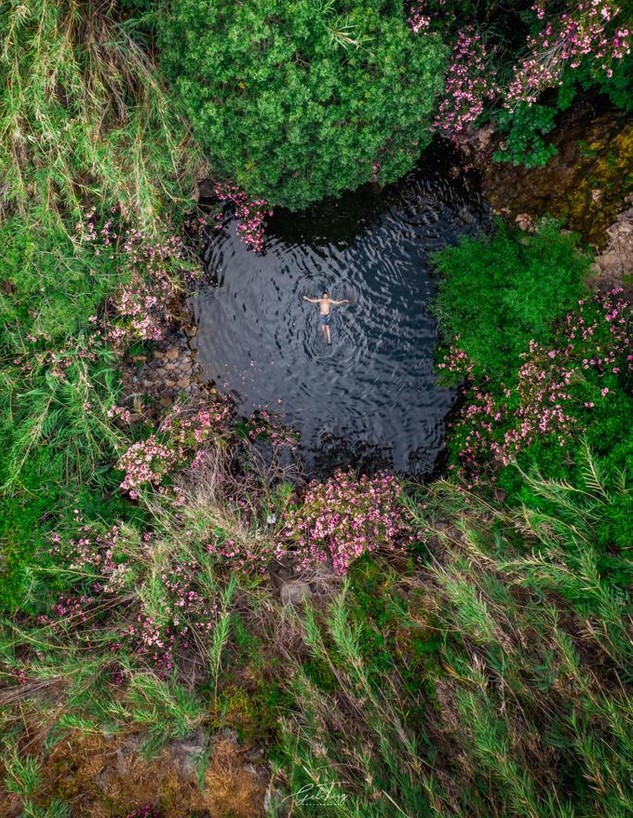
{"x": 187, "y": 626}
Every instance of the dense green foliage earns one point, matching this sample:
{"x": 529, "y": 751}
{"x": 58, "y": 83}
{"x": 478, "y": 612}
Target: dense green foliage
{"x": 299, "y": 101}
{"x": 51, "y": 369}
{"x": 547, "y": 373}
{"x": 497, "y": 293}
{"x": 523, "y": 131}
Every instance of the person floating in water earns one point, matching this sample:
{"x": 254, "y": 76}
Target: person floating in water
{"x": 325, "y": 302}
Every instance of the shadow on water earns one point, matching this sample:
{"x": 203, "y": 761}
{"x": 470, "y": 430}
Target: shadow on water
{"x": 370, "y": 399}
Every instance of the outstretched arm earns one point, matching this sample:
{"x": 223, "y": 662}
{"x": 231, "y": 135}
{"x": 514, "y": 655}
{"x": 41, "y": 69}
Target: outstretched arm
{"x": 311, "y": 300}
{"x": 344, "y": 301}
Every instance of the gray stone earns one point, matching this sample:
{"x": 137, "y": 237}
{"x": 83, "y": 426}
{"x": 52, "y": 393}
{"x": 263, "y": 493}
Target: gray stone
{"x": 294, "y": 592}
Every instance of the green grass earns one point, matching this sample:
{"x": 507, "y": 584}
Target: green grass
{"x": 84, "y": 119}
{"x": 523, "y": 713}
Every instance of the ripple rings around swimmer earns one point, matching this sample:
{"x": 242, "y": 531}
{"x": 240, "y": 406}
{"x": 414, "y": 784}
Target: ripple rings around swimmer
{"x": 373, "y": 390}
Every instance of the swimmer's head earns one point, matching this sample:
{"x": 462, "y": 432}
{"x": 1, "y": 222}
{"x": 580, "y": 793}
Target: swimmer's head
{"x": 325, "y": 295}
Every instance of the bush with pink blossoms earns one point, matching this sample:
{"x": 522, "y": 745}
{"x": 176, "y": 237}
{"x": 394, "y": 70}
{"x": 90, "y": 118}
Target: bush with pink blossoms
{"x": 154, "y": 268}
{"x": 470, "y": 84}
{"x": 263, "y": 424}
{"x": 564, "y": 41}
{"x": 561, "y": 391}
{"x": 251, "y": 214}
{"x": 147, "y": 462}
{"x": 343, "y": 518}
{"x": 182, "y": 437}
{"x": 126, "y": 592}
{"x": 189, "y": 430}
{"x": 505, "y": 58}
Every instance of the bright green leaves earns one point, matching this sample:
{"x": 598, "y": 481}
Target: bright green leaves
{"x": 297, "y": 101}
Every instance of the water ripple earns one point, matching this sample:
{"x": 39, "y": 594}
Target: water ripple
{"x": 370, "y": 398}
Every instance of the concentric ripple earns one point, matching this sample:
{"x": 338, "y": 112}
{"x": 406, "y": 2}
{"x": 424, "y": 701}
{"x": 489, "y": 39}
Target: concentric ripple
{"x": 370, "y": 398}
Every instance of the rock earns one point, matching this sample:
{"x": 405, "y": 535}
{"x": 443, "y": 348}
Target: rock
{"x": 526, "y": 222}
{"x": 172, "y": 354}
{"x": 189, "y": 750}
{"x": 294, "y": 592}
{"x": 183, "y": 383}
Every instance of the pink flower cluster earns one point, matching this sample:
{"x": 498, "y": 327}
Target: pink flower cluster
{"x": 269, "y": 426}
{"x": 121, "y": 413}
{"x": 456, "y": 361}
{"x": 191, "y": 431}
{"x": 470, "y": 81}
{"x": 186, "y": 620}
{"x": 155, "y": 269}
{"x": 555, "y": 386}
{"x": 422, "y": 12}
{"x": 346, "y": 517}
{"x": 564, "y": 42}
{"x": 251, "y": 214}
{"x": 147, "y": 462}
{"x": 419, "y": 19}
{"x": 182, "y": 620}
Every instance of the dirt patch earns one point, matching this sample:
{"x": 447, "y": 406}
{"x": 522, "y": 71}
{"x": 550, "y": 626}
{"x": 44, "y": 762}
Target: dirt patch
{"x": 102, "y": 777}
{"x": 584, "y": 184}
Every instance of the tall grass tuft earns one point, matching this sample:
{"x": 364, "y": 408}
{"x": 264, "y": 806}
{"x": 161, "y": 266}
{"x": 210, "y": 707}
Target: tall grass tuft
{"x": 84, "y": 118}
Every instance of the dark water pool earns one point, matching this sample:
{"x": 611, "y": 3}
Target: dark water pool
{"x": 371, "y": 398}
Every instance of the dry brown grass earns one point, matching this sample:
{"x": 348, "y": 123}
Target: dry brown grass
{"x": 102, "y": 777}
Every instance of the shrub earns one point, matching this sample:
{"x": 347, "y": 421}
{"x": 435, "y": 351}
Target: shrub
{"x": 344, "y": 518}
{"x": 294, "y": 102}
{"x": 525, "y": 128}
{"x": 498, "y": 293}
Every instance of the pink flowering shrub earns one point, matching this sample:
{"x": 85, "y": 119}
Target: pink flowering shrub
{"x": 147, "y": 462}
{"x": 154, "y": 270}
{"x": 559, "y": 391}
{"x": 183, "y": 437}
{"x": 265, "y": 425}
{"x": 190, "y": 431}
{"x": 564, "y": 41}
{"x": 251, "y": 214}
{"x": 580, "y": 42}
{"x": 470, "y": 83}
{"x": 343, "y": 518}
{"x": 127, "y": 596}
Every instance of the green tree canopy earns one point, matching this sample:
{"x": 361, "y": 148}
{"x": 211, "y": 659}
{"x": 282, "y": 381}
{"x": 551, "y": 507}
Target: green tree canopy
{"x": 295, "y": 100}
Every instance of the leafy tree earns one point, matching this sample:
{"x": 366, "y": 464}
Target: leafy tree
{"x": 299, "y": 100}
